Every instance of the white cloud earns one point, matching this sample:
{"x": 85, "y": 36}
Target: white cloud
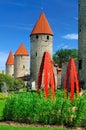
{"x": 72, "y": 36}
{"x": 3, "y": 58}
{"x": 65, "y": 47}
{"x": 62, "y": 46}
{"x": 76, "y": 18}
{"x": 24, "y": 4}
{"x": 17, "y": 4}
{"x": 19, "y": 27}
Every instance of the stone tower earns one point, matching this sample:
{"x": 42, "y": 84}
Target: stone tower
{"x": 82, "y": 40}
{"x": 40, "y": 41}
{"x": 10, "y": 64}
{"x": 21, "y": 62}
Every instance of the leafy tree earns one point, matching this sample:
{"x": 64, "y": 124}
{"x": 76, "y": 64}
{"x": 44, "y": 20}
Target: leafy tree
{"x": 11, "y": 83}
{"x": 63, "y": 55}
{"x": 18, "y": 84}
{"x": 7, "y": 79}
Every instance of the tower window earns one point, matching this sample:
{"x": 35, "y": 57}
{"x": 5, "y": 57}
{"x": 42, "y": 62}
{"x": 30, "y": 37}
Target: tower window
{"x": 47, "y": 37}
{"x": 79, "y": 6}
{"x": 80, "y": 30}
{"x": 80, "y": 64}
{"x": 37, "y": 37}
{"x": 12, "y": 75}
{"x": 36, "y": 53}
{"x": 23, "y": 66}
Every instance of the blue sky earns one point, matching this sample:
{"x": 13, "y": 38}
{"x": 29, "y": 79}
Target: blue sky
{"x": 18, "y": 17}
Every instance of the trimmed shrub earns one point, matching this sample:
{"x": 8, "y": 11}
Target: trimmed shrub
{"x": 80, "y": 119}
{"x": 34, "y": 108}
{"x": 66, "y": 113}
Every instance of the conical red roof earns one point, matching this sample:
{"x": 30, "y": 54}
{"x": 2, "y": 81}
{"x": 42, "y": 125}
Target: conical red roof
{"x": 42, "y": 26}
{"x": 21, "y": 51}
{"x": 10, "y": 60}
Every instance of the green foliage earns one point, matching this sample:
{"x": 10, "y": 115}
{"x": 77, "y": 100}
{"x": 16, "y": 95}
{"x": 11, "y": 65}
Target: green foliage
{"x": 11, "y": 83}
{"x": 7, "y": 79}
{"x": 18, "y": 84}
{"x": 63, "y": 55}
{"x": 2, "y": 105}
{"x": 34, "y": 108}
{"x": 3, "y": 96}
{"x": 81, "y": 112}
{"x": 66, "y": 113}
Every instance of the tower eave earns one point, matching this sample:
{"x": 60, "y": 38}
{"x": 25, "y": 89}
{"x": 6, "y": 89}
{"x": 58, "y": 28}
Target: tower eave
{"x": 41, "y": 34}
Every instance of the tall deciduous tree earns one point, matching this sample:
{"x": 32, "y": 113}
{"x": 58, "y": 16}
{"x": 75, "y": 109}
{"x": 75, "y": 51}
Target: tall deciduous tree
{"x": 63, "y": 55}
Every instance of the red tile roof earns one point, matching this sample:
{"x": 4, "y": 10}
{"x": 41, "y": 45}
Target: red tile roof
{"x": 42, "y": 26}
{"x": 21, "y": 51}
{"x": 10, "y": 60}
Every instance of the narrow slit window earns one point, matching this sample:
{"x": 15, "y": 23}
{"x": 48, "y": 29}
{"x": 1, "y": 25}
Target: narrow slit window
{"x": 80, "y": 64}
{"x": 36, "y": 53}
{"x": 47, "y": 37}
{"x": 80, "y": 30}
{"x": 23, "y": 66}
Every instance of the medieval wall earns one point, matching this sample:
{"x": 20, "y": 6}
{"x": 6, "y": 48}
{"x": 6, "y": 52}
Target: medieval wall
{"x": 64, "y": 70}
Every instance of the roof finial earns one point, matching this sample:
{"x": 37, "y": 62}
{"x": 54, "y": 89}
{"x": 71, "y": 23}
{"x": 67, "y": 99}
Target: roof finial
{"x": 41, "y": 6}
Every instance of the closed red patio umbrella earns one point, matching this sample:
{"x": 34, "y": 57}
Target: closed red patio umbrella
{"x": 49, "y": 80}
{"x": 71, "y": 82}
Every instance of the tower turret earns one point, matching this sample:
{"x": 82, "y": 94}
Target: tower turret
{"x": 21, "y": 62}
{"x": 40, "y": 41}
{"x": 10, "y": 64}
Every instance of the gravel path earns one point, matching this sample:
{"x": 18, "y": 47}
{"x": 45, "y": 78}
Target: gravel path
{"x": 10, "y": 123}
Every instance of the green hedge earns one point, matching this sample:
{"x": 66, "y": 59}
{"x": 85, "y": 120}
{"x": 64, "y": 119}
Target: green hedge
{"x": 34, "y": 108}
{"x": 80, "y": 119}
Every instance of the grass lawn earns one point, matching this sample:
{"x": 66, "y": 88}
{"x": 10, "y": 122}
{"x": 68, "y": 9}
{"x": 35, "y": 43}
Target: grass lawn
{"x": 28, "y": 128}
{"x": 2, "y": 104}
